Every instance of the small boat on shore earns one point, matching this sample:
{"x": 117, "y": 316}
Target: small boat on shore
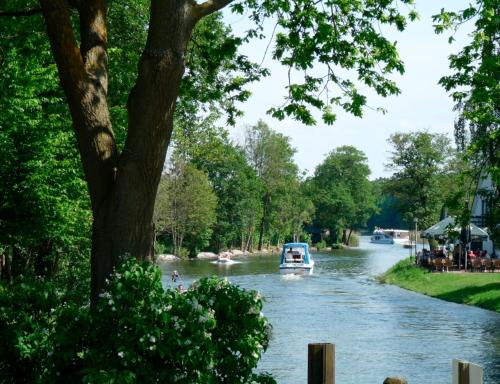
{"x": 224, "y": 258}
{"x": 295, "y": 258}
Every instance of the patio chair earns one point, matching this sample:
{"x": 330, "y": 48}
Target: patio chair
{"x": 477, "y": 265}
{"x": 438, "y": 264}
{"x": 487, "y": 265}
{"x": 448, "y": 264}
{"x": 496, "y": 265}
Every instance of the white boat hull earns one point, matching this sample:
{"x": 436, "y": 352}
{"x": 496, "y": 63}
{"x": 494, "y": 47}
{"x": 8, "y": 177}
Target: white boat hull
{"x": 296, "y": 267}
{"x": 400, "y": 241}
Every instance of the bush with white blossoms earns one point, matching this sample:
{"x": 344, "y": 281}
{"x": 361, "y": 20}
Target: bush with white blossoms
{"x": 140, "y": 333}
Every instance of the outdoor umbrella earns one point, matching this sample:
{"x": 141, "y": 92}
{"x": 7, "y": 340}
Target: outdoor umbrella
{"x": 445, "y": 227}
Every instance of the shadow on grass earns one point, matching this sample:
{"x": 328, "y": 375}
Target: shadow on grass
{"x": 490, "y": 296}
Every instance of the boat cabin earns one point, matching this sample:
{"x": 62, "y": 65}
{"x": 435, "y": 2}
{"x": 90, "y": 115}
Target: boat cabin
{"x": 295, "y": 253}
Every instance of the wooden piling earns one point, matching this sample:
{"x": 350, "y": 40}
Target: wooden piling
{"x": 467, "y": 373}
{"x": 321, "y": 363}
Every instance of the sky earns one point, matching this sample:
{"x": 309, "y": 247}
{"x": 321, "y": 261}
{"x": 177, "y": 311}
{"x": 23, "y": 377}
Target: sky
{"x": 422, "y": 105}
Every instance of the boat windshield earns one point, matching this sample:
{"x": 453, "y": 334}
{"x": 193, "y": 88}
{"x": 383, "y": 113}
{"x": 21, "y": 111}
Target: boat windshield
{"x": 295, "y": 253}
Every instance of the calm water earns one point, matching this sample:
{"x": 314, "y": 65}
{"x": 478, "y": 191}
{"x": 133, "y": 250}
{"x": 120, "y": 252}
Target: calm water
{"x": 378, "y": 330}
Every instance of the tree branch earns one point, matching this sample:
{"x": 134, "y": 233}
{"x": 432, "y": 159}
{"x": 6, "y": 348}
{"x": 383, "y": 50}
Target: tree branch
{"x": 24, "y": 12}
{"x": 208, "y": 7}
{"x": 63, "y": 42}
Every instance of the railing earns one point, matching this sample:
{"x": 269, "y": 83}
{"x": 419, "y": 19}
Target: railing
{"x": 321, "y": 368}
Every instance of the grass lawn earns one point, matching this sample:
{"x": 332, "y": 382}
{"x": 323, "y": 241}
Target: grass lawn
{"x": 481, "y": 289}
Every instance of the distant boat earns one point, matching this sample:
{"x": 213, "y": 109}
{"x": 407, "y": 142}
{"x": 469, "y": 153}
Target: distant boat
{"x": 384, "y": 236}
{"x": 379, "y": 237}
{"x": 295, "y": 258}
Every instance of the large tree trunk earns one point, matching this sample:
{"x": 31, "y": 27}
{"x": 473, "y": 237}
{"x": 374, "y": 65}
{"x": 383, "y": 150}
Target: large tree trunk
{"x": 122, "y": 188}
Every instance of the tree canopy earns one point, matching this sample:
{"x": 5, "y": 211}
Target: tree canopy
{"x": 342, "y": 192}
{"x": 475, "y": 83}
{"x": 419, "y": 160}
{"x": 475, "y": 88}
{"x": 92, "y": 42}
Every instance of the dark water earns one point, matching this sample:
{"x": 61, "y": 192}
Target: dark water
{"x": 378, "y": 330}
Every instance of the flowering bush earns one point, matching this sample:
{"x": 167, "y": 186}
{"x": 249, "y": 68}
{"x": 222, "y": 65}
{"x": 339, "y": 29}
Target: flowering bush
{"x": 138, "y": 332}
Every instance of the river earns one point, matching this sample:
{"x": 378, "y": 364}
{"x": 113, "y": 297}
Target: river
{"x": 378, "y": 330}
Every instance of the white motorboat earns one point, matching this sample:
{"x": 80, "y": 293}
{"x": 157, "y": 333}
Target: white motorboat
{"x": 379, "y": 237}
{"x": 295, "y": 258}
{"x": 400, "y": 236}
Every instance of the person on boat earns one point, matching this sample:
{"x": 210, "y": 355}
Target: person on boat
{"x": 181, "y": 288}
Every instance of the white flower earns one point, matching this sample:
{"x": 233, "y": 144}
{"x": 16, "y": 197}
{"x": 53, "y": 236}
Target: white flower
{"x": 121, "y": 354}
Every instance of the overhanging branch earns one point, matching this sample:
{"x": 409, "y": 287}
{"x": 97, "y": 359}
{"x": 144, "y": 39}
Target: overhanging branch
{"x": 208, "y": 7}
{"x": 23, "y": 12}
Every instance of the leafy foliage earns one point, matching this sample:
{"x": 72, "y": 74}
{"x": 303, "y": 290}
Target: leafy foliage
{"x": 235, "y": 183}
{"x": 475, "y": 83}
{"x": 271, "y": 156}
{"x": 138, "y": 332}
{"x": 185, "y": 207}
{"x": 342, "y": 192}
{"x": 475, "y": 87}
{"x": 322, "y": 41}
{"x": 419, "y": 160}
{"x": 44, "y": 208}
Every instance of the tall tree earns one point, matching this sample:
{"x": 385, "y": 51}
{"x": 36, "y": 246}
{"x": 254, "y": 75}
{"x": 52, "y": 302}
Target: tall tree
{"x": 271, "y": 155}
{"x": 342, "y": 192}
{"x": 475, "y": 83}
{"x": 205, "y": 145}
{"x": 475, "y": 88}
{"x": 419, "y": 161}
{"x": 185, "y": 206}
{"x": 123, "y": 183}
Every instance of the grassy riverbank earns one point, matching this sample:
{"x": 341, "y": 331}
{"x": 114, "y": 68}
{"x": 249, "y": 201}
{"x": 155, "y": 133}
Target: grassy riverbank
{"x": 478, "y": 289}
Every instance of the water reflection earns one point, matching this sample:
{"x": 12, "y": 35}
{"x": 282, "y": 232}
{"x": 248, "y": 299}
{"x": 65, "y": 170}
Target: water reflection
{"x": 379, "y": 330}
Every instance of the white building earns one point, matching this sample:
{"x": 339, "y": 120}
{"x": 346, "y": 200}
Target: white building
{"x": 481, "y": 207}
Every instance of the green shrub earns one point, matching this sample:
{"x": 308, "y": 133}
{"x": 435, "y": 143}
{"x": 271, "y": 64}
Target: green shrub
{"x": 183, "y": 253}
{"x": 137, "y": 333}
{"x": 160, "y": 248}
{"x": 320, "y": 245}
{"x": 26, "y": 326}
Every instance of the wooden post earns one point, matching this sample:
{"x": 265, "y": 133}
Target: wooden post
{"x": 321, "y": 363}
{"x": 467, "y": 373}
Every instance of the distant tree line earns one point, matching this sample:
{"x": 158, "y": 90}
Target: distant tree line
{"x": 255, "y": 197}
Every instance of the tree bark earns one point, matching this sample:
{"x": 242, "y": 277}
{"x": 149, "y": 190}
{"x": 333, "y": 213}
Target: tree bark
{"x": 264, "y": 221}
{"x": 349, "y": 236}
{"x": 122, "y": 187}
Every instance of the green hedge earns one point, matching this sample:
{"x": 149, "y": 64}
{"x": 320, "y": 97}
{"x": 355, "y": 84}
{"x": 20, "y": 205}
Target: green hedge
{"x": 137, "y": 333}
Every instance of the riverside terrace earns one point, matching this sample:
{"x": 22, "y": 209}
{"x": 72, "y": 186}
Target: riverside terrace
{"x": 462, "y": 247}
{"x": 441, "y": 260}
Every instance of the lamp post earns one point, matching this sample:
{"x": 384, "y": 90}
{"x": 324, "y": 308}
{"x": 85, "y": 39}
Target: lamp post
{"x": 415, "y": 220}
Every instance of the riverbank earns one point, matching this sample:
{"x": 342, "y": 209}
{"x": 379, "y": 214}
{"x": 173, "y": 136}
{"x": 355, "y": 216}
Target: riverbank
{"x": 479, "y": 289}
